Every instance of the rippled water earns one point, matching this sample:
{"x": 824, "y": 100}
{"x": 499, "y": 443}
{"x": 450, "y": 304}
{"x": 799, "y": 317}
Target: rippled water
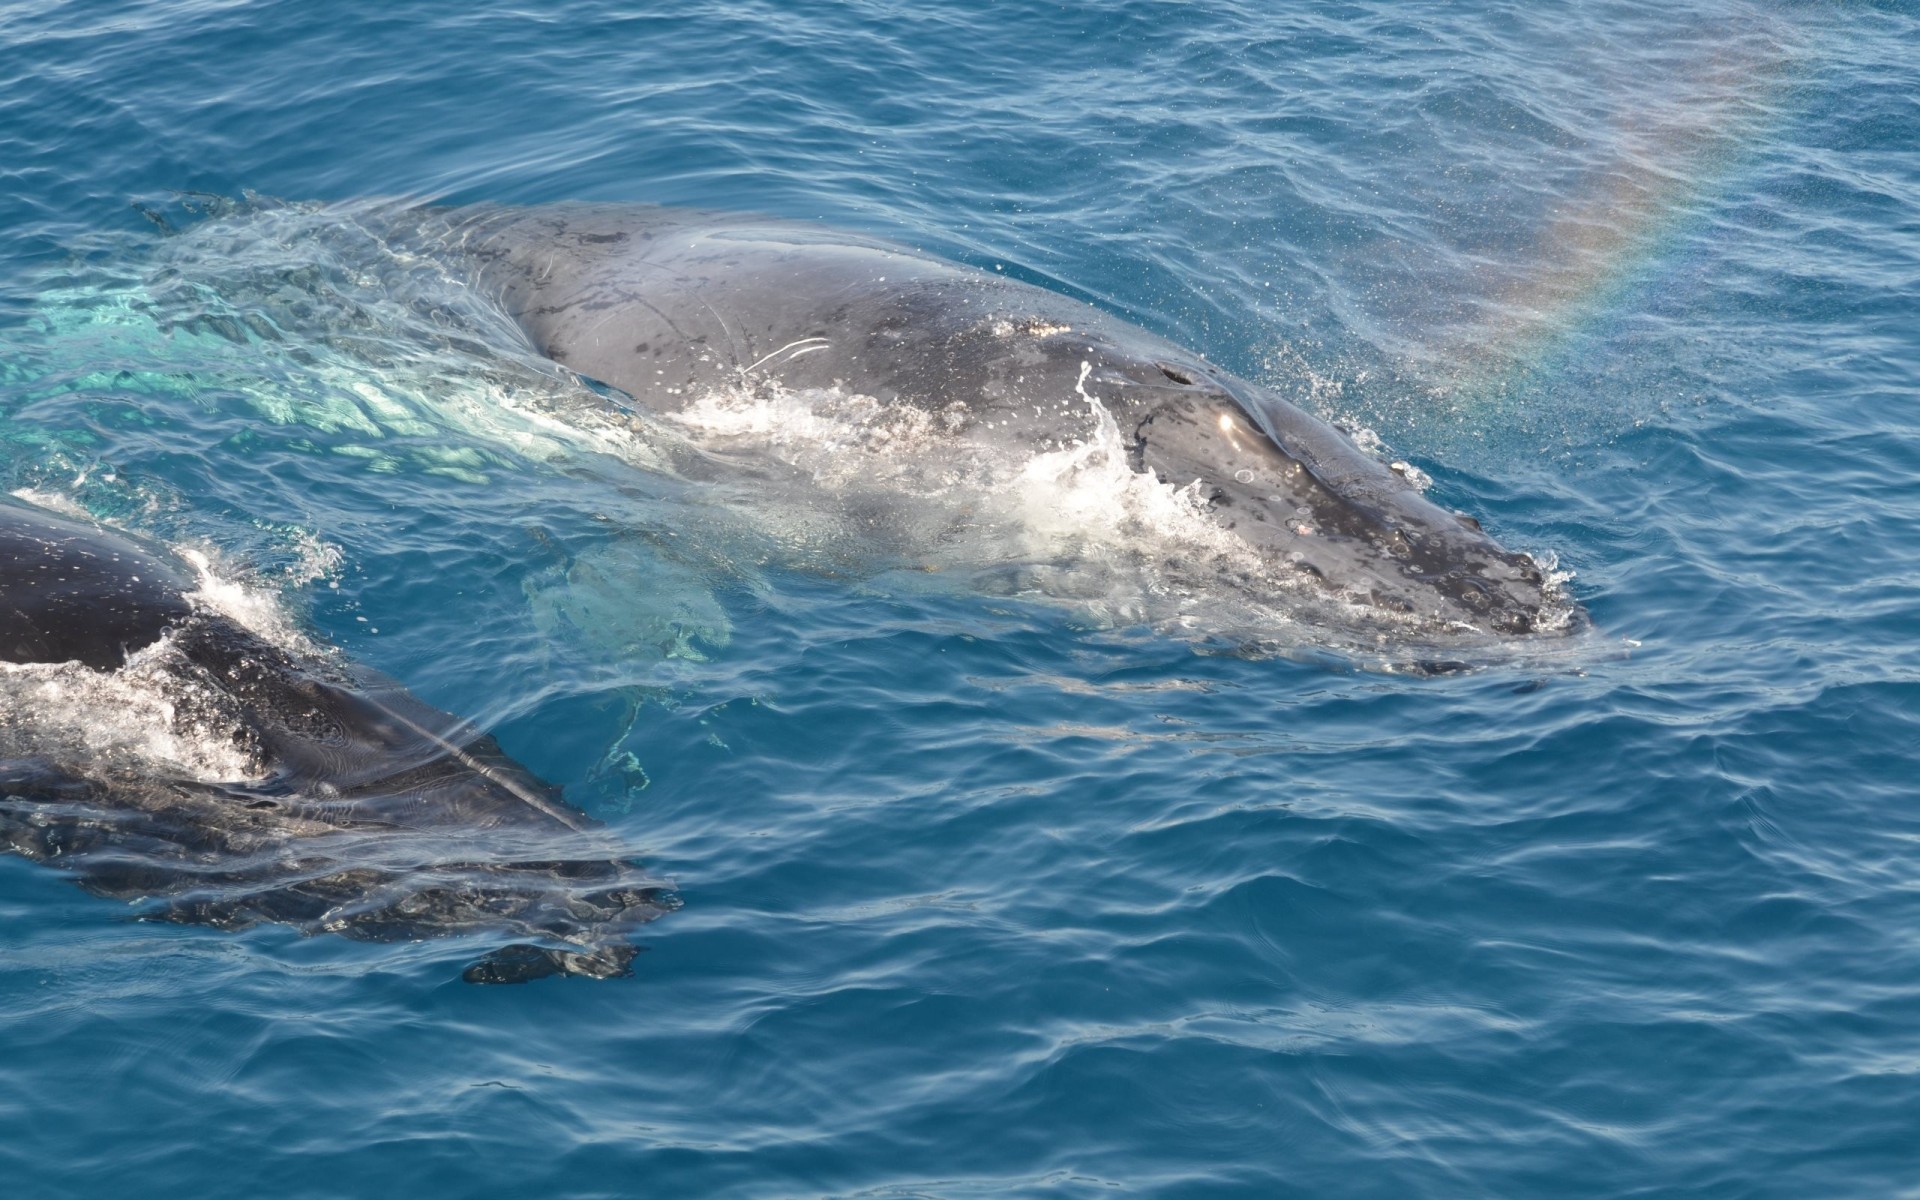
{"x": 991, "y": 889}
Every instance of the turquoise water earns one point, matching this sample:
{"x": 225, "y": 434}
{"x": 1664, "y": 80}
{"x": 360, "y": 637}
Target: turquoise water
{"x": 1005, "y": 887}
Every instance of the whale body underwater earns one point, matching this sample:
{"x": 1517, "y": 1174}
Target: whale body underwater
{"x": 669, "y": 305}
{"x": 355, "y": 808}
{"x": 347, "y": 805}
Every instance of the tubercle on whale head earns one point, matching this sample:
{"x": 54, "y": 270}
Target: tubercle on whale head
{"x": 1309, "y": 498}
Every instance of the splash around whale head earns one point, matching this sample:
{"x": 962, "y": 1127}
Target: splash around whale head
{"x": 1325, "y": 517}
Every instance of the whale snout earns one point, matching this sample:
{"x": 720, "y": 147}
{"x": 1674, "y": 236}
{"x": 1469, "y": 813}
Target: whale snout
{"x": 1325, "y": 513}
{"x": 1508, "y": 592}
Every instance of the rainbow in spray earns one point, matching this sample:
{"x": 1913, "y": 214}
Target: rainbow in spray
{"x": 1668, "y": 147}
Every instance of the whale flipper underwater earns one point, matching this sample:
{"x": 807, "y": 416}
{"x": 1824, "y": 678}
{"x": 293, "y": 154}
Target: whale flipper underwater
{"x": 357, "y": 809}
{"x": 669, "y": 305}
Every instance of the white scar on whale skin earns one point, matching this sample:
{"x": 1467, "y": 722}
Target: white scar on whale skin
{"x": 812, "y": 344}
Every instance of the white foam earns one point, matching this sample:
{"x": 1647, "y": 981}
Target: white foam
{"x": 147, "y": 715}
{"x": 314, "y": 559}
{"x": 53, "y": 502}
{"x": 257, "y": 610}
{"x": 1559, "y": 610}
{"x": 840, "y": 438}
{"x": 1125, "y": 546}
{"x": 1074, "y": 495}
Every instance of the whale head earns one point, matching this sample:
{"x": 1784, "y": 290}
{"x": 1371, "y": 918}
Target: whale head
{"x": 1322, "y": 512}
{"x": 1308, "y": 497}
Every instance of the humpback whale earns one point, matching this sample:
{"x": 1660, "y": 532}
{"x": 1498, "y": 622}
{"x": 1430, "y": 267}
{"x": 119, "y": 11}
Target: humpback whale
{"x": 668, "y": 305}
{"x": 321, "y": 795}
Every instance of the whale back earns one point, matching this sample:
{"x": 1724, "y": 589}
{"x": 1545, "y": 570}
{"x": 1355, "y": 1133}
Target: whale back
{"x": 72, "y": 592}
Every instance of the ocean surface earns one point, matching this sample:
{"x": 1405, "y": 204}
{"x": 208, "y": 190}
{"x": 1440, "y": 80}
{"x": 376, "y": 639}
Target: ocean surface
{"x": 1049, "y": 887}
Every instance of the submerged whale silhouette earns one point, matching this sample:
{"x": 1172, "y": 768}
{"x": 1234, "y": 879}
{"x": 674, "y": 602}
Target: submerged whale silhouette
{"x": 362, "y": 811}
{"x": 668, "y": 305}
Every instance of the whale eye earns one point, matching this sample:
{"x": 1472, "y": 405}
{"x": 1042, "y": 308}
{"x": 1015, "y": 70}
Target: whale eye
{"x": 1175, "y": 374}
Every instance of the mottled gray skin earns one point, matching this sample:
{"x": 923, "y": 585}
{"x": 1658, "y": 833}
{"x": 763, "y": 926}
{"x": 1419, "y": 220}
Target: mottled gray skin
{"x": 664, "y": 304}
{"x": 373, "y": 814}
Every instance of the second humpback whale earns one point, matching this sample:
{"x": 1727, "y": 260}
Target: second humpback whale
{"x": 672, "y": 305}
{"x": 172, "y": 757}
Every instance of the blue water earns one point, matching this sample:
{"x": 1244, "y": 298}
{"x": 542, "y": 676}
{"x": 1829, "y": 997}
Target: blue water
{"x": 997, "y": 893}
